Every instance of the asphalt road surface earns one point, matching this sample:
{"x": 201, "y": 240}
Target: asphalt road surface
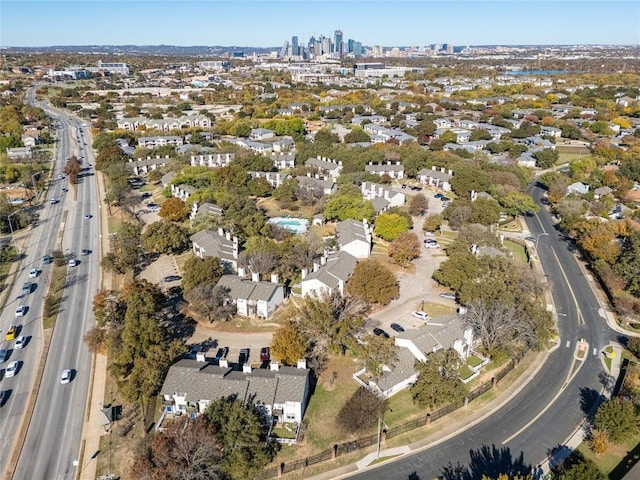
{"x": 53, "y": 439}
{"x": 544, "y": 414}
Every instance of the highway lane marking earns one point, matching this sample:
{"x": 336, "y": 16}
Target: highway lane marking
{"x": 568, "y": 343}
{"x": 573, "y": 296}
{"x": 570, "y": 376}
{"x": 595, "y": 351}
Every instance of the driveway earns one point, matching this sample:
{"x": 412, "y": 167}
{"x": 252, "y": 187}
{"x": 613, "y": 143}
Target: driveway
{"x": 233, "y": 340}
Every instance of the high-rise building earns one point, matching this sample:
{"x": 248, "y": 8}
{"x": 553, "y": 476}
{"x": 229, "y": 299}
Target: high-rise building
{"x": 358, "y": 51}
{"x": 337, "y": 42}
{"x": 377, "y": 50}
{"x": 350, "y": 45}
{"x": 326, "y": 45}
{"x": 295, "y": 51}
{"x": 284, "y": 51}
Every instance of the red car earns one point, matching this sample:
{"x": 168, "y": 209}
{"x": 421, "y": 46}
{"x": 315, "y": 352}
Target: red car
{"x": 264, "y": 354}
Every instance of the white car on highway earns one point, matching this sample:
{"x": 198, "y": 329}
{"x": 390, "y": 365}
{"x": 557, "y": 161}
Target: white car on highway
{"x": 33, "y": 273}
{"x": 11, "y": 370}
{"x": 65, "y": 377}
{"x": 19, "y": 342}
{"x": 21, "y": 310}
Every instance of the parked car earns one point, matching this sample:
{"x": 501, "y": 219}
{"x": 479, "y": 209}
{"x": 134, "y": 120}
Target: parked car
{"x": 11, "y": 370}
{"x": 431, "y": 245}
{"x": 244, "y": 356}
{"x": 380, "y": 332}
{"x": 421, "y": 315}
{"x": 21, "y": 310}
{"x": 172, "y": 278}
{"x": 450, "y": 296}
{"x": 446, "y": 204}
{"x": 33, "y": 273}
{"x": 20, "y": 341}
{"x": 65, "y": 377}
{"x": 264, "y": 354}
{"x": 222, "y": 353}
{"x": 445, "y": 199}
{"x": 438, "y": 195}
{"x": 397, "y": 327}
{"x": 429, "y": 234}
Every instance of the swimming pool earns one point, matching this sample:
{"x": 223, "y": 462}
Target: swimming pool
{"x": 293, "y": 225}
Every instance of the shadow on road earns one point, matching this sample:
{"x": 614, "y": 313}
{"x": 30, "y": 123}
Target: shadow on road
{"x": 589, "y": 398}
{"x": 489, "y": 461}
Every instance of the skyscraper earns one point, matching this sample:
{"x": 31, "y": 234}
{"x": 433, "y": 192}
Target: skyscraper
{"x": 337, "y": 42}
{"x": 326, "y": 45}
{"x": 295, "y": 51}
{"x": 284, "y": 51}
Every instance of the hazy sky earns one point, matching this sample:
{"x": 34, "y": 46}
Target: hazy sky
{"x": 270, "y": 23}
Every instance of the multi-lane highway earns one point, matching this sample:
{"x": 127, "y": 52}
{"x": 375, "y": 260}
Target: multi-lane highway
{"x": 544, "y": 414}
{"x": 53, "y": 438}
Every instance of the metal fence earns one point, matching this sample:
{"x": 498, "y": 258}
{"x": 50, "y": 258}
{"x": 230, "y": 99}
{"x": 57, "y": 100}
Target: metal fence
{"x": 354, "y": 445}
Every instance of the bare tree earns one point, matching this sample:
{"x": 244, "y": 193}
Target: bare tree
{"x": 498, "y": 325}
{"x": 212, "y": 301}
{"x": 259, "y": 262}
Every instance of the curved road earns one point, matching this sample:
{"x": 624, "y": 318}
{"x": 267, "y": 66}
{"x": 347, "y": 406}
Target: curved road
{"x": 53, "y": 439}
{"x": 546, "y": 412}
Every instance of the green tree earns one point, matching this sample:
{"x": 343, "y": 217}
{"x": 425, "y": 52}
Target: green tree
{"x": 361, "y": 411}
{"x": 288, "y": 344}
{"x": 576, "y": 467}
{"x": 348, "y": 205}
{"x": 373, "y": 283}
{"x": 165, "y": 237}
{"x": 174, "y": 210}
{"x": 546, "y": 158}
{"x": 418, "y": 204}
{"x": 404, "y": 248}
{"x": 618, "y": 418}
{"x": 125, "y": 249}
{"x": 433, "y": 222}
{"x": 479, "y": 134}
{"x": 356, "y": 135}
{"x": 389, "y": 225}
{"x": 438, "y": 382}
{"x": 628, "y": 264}
{"x": 200, "y": 271}
{"x": 516, "y": 204}
{"x": 484, "y": 211}
{"x": 376, "y": 351}
{"x": 242, "y": 433}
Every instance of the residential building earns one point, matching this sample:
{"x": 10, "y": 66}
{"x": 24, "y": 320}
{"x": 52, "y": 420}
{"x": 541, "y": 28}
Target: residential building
{"x": 443, "y": 332}
{"x": 142, "y": 166}
{"x": 436, "y": 178}
{"x": 393, "y": 170}
{"x": 330, "y": 275}
{"x": 19, "y": 152}
{"x": 281, "y": 393}
{"x": 354, "y": 237}
{"x": 282, "y": 161}
{"x": 205, "y": 209}
{"x": 153, "y": 142}
{"x": 325, "y": 166}
{"x": 258, "y": 147}
{"x": 182, "y": 191}
{"x": 274, "y": 179}
{"x": 261, "y": 134}
{"x": 213, "y": 160}
{"x": 550, "y": 131}
{"x": 321, "y": 186}
{"x": 578, "y": 188}
{"x": 382, "y": 196}
{"x": 252, "y": 297}
{"x": 164, "y": 124}
{"x": 206, "y": 243}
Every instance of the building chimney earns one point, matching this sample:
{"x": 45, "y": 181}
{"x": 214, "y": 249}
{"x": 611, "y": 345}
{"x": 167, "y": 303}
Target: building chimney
{"x": 200, "y": 357}
{"x": 450, "y": 172}
{"x": 255, "y": 276}
{"x": 246, "y": 368}
{"x": 316, "y": 267}
{"x": 220, "y": 231}
{"x": 227, "y": 235}
{"x": 304, "y": 272}
{"x": 462, "y": 310}
{"x": 433, "y": 167}
{"x": 309, "y": 174}
{"x": 302, "y": 363}
{"x": 224, "y": 363}
{"x": 274, "y": 278}
{"x": 274, "y": 366}
{"x": 241, "y": 272}
{"x": 323, "y": 260}
{"x": 441, "y": 169}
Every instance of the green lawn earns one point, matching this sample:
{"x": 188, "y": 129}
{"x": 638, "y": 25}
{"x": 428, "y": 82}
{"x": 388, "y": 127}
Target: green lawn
{"x": 401, "y": 409}
{"x": 619, "y": 458}
{"x": 607, "y": 362}
{"x": 54, "y": 295}
{"x": 435, "y": 309}
{"x": 288, "y": 430}
{"x": 465, "y": 372}
{"x": 517, "y": 250}
{"x": 474, "y": 361}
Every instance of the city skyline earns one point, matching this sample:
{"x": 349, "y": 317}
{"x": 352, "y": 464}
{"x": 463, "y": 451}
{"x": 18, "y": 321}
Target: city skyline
{"x": 267, "y": 23}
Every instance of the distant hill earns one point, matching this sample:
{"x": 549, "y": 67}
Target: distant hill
{"x": 195, "y": 50}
